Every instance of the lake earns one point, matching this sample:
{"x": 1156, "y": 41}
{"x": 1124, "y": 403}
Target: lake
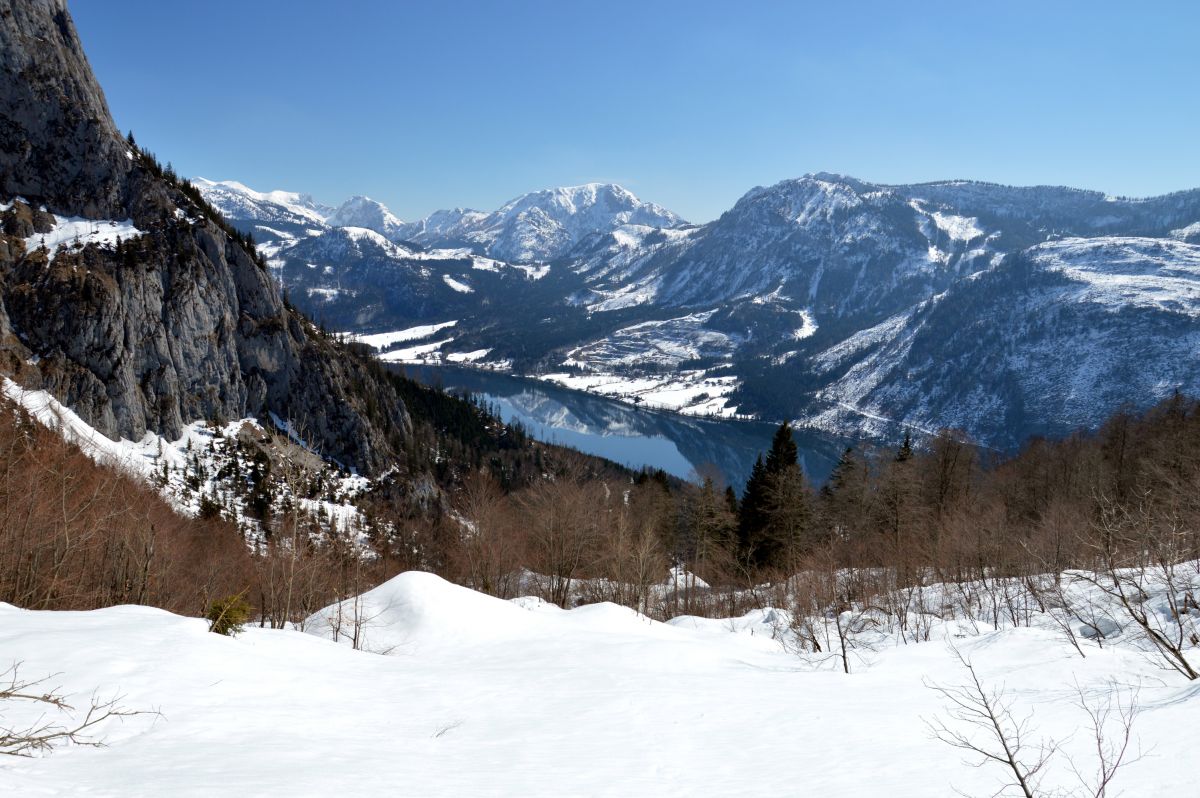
{"x": 635, "y": 437}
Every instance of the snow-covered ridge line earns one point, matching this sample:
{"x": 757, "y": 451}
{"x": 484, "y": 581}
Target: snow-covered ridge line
{"x": 301, "y": 205}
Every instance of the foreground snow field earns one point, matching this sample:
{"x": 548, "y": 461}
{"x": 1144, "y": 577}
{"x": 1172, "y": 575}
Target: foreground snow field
{"x": 478, "y": 696}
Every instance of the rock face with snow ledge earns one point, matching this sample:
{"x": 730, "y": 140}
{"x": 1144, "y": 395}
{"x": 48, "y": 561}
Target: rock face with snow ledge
{"x": 179, "y": 322}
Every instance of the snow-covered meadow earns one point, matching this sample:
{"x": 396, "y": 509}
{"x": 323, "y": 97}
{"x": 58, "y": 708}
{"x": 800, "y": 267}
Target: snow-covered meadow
{"x": 465, "y": 694}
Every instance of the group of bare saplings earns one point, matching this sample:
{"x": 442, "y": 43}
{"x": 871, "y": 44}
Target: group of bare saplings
{"x": 78, "y": 535}
{"x": 1082, "y": 531}
{"x": 1120, "y": 506}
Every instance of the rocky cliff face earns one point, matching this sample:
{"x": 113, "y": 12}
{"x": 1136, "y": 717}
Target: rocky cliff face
{"x": 128, "y": 298}
{"x": 60, "y": 143}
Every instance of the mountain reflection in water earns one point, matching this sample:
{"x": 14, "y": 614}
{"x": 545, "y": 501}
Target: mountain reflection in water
{"x": 680, "y": 445}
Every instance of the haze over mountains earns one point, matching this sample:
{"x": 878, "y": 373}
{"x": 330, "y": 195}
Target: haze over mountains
{"x": 848, "y": 306}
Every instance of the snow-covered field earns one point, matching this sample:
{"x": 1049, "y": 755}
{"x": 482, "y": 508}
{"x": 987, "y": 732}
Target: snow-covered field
{"x": 690, "y": 392}
{"x": 478, "y": 696}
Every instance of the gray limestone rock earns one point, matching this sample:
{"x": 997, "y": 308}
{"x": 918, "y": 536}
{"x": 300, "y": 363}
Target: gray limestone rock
{"x": 177, "y": 324}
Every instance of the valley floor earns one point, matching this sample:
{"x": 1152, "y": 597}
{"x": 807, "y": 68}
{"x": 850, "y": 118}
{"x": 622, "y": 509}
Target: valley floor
{"x": 478, "y": 696}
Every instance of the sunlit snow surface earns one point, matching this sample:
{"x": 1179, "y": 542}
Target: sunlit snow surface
{"x": 75, "y": 231}
{"x": 384, "y": 340}
{"x": 691, "y": 392}
{"x": 457, "y": 285}
{"x": 472, "y": 695}
{"x": 1137, "y": 272}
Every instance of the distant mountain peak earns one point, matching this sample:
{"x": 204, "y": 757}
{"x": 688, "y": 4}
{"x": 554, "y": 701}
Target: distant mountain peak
{"x": 361, "y": 211}
{"x": 579, "y": 199}
{"x": 542, "y": 226}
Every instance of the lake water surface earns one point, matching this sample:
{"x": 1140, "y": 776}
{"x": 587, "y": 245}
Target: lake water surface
{"x": 635, "y": 437}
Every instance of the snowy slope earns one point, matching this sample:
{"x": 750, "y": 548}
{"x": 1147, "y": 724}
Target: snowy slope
{"x": 477, "y": 696}
{"x": 201, "y": 464}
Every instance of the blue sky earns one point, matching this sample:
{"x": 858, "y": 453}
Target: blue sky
{"x": 688, "y": 104}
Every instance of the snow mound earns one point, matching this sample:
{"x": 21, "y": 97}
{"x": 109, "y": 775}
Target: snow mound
{"x": 523, "y": 698}
{"x": 418, "y": 611}
{"x": 417, "y": 608}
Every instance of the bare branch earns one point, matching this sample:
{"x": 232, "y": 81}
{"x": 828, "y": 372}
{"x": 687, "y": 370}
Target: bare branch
{"x": 44, "y": 734}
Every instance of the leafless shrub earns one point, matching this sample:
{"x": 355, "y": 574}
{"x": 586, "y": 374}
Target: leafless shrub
{"x": 45, "y": 733}
{"x": 1110, "y": 723}
{"x": 983, "y": 725}
{"x": 981, "y": 722}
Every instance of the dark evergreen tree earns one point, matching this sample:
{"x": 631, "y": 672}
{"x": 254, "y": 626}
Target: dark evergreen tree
{"x": 783, "y": 450}
{"x": 750, "y": 513}
{"x": 731, "y": 500}
{"x": 775, "y": 517}
{"x": 841, "y": 474}
{"x": 844, "y": 500}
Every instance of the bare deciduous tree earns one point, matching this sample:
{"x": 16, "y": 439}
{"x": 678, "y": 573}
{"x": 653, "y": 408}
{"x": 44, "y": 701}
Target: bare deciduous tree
{"x": 1143, "y": 549}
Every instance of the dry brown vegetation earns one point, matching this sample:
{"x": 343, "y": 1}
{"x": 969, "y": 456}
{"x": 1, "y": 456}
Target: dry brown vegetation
{"x": 77, "y": 535}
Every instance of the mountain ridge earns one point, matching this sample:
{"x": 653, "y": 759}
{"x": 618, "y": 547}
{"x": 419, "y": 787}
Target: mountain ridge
{"x": 795, "y": 272}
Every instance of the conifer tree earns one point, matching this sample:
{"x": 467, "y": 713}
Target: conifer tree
{"x": 844, "y": 499}
{"x": 775, "y": 513}
{"x": 750, "y": 513}
{"x": 783, "y": 452}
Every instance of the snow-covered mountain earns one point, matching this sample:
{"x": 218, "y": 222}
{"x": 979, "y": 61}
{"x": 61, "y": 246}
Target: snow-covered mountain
{"x": 1038, "y": 345}
{"x": 833, "y": 244}
{"x": 237, "y": 201}
{"x": 848, "y": 306}
{"x": 541, "y": 226}
{"x": 365, "y": 212}
{"x": 359, "y": 267}
{"x": 863, "y": 309}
